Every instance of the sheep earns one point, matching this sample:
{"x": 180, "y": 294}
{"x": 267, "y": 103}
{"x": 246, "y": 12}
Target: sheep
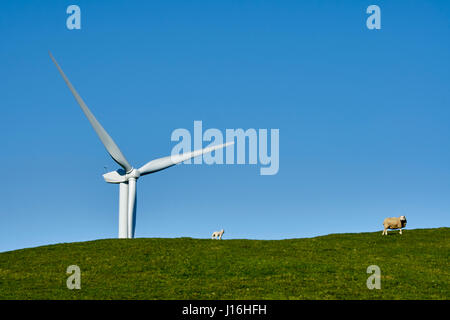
{"x": 394, "y": 223}
{"x": 218, "y": 234}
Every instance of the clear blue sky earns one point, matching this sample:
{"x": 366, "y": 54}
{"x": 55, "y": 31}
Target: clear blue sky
{"x": 364, "y": 116}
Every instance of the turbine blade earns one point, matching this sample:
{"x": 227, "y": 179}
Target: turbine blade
{"x": 107, "y": 141}
{"x": 166, "y": 162}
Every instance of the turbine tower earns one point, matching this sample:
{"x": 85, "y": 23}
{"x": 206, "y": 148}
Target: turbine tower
{"x": 127, "y": 177}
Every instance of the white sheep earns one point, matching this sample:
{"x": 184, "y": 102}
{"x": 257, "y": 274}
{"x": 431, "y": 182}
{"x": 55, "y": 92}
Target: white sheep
{"x": 394, "y": 223}
{"x": 218, "y": 234}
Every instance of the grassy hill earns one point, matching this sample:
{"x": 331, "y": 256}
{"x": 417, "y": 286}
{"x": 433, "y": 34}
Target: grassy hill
{"x": 414, "y": 265}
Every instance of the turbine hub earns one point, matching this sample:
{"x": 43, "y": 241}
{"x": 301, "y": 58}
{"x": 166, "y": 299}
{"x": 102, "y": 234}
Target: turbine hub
{"x": 120, "y": 176}
{"x": 135, "y": 174}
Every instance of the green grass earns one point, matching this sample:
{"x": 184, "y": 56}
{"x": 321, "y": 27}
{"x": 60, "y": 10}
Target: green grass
{"x": 414, "y": 265}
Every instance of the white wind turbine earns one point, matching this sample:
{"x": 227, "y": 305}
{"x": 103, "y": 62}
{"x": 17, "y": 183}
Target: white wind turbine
{"x": 126, "y": 177}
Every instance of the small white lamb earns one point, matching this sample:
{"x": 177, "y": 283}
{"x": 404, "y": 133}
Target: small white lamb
{"x": 218, "y": 234}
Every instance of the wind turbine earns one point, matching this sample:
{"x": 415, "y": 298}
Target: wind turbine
{"x": 127, "y": 177}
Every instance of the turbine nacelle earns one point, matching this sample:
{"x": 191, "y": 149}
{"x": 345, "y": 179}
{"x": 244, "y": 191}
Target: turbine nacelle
{"x": 120, "y": 176}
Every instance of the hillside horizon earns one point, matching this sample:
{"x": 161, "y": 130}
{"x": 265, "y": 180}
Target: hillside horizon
{"x": 413, "y": 266}
{"x": 224, "y": 238}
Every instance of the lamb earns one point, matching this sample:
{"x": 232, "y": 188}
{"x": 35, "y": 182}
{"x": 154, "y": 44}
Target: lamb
{"x": 218, "y": 234}
{"x": 394, "y": 223}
